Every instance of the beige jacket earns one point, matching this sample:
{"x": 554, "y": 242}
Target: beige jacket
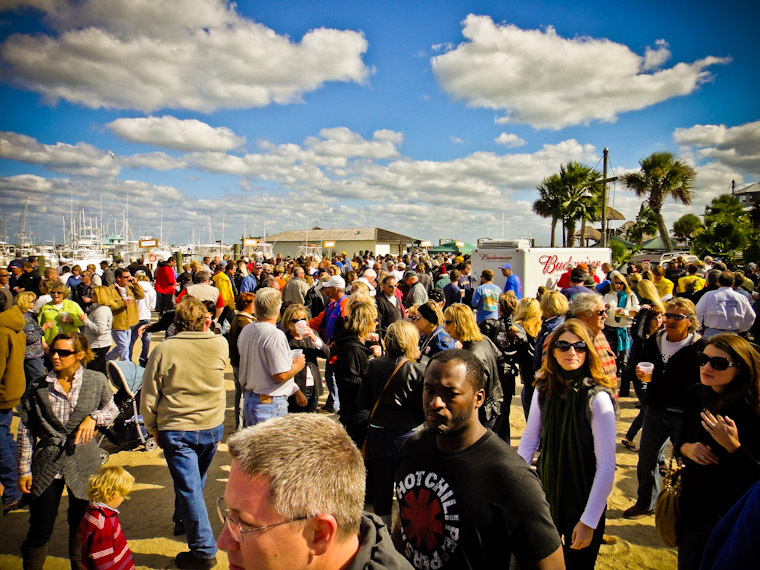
{"x": 183, "y": 384}
{"x": 125, "y": 315}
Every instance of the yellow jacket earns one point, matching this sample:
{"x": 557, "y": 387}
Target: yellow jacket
{"x": 125, "y": 315}
{"x": 222, "y": 282}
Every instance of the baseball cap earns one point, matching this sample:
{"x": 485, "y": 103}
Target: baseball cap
{"x": 506, "y": 266}
{"x": 336, "y": 281}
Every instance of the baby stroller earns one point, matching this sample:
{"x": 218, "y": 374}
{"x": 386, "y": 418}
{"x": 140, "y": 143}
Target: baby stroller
{"x": 127, "y": 431}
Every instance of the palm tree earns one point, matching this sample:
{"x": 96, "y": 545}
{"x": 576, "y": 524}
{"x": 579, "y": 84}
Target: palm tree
{"x": 548, "y": 203}
{"x": 568, "y": 196}
{"x": 580, "y": 201}
{"x": 662, "y": 175}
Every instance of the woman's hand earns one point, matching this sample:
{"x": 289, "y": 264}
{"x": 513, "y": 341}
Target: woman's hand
{"x": 47, "y": 325}
{"x": 86, "y": 431}
{"x": 301, "y": 399}
{"x": 699, "y": 453}
{"x": 582, "y": 535}
{"x": 722, "y": 429}
{"x": 82, "y": 317}
{"x": 25, "y": 484}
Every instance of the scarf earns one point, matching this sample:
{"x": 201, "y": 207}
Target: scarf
{"x": 561, "y": 467}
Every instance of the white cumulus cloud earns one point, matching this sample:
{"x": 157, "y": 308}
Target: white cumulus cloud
{"x": 510, "y": 140}
{"x": 185, "y": 54}
{"x": 177, "y": 134}
{"x": 545, "y": 80}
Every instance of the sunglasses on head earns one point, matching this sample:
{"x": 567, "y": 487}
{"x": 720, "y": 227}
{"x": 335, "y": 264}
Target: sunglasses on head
{"x": 62, "y": 352}
{"x": 717, "y": 362}
{"x": 675, "y": 316}
{"x": 564, "y": 346}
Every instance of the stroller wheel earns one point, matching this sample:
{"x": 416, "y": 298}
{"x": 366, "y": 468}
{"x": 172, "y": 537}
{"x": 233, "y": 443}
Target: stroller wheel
{"x": 104, "y": 455}
{"x": 151, "y": 444}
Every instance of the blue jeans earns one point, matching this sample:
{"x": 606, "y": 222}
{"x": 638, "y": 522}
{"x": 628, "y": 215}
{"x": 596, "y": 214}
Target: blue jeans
{"x": 659, "y": 425}
{"x": 255, "y": 412}
{"x": 33, "y": 368}
{"x": 332, "y": 388}
{"x": 189, "y": 455}
{"x": 121, "y": 350}
{"x": 8, "y": 464}
{"x": 145, "y": 342}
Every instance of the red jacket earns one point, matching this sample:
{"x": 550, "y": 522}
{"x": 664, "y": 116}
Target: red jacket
{"x": 165, "y": 279}
{"x": 103, "y": 542}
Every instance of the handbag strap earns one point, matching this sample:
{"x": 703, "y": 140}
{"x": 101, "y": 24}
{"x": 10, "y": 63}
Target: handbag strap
{"x": 380, "y": 397}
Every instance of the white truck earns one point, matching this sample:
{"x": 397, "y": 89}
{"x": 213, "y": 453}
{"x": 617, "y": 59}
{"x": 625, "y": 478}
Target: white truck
{"x": 535, "y": 266}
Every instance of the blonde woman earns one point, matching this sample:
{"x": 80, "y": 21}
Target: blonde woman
{"x": 301, "y": 337}
{"x": 60, "y": 315}
{"x": 526, "y": 325}
{"x": 97, "y": 328}
{"x": 353, "y": 353}
{"x": 392, "y": 390}
{"x": 459, "y": 322}
{"x": 35, "y": 345}
{"x": 622, "y": 306}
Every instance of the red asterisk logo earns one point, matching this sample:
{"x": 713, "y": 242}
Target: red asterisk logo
{"x": 420, "y": 514}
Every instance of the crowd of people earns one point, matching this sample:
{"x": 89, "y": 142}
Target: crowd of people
{"x": 421, "y": 362}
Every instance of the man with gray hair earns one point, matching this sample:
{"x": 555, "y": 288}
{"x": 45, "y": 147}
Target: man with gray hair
{"x": 295, "y": 289}
{"x": 267, "y": 367}
{"x": 301, "y": 478}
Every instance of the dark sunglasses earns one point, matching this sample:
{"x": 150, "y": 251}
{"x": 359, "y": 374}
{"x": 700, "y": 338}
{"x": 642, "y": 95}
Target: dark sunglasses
{"x": 619, "y": 283}
{"x": 564, "y": 346}
{"x": 600, "y": 313}
{"x": 717, "y": 362}
{"x": 294, "y": 321}
{"x": 55, "y": 293}
{"x": 62, "y": 352}
{"x": 448, "y": 323}
{"x": 676, "y": 317}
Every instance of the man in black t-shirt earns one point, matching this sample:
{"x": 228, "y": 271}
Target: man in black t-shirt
{"x": 466, "y": 500}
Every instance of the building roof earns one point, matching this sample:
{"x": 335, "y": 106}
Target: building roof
{"x": 754, "y": 187}
{"x": 340, "y": 234}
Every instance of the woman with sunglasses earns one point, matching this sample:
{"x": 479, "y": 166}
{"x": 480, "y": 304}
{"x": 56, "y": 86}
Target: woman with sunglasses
{"x": 301, "y": 337}
{"x": 58, "y": 417}
{"x": 673, "y": 351}
{"x": 60, "y": 315}
{"x": 720, "y": 441}
{"x": 572, "y": 415}
{"x": 622, "y": 306}
{"x": 428, "y": 318}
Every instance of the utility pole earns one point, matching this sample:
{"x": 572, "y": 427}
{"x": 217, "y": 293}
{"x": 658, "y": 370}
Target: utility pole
{"x": 604, "y": 197}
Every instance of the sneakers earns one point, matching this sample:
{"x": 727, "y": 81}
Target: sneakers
{"x": 636, "y": 512}
{"x": 189, "y": 561}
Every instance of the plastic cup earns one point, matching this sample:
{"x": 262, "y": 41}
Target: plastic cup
{"x": 296, "y": 352}
{"x": 647, "y": 368}
{"x": 302, "y": 328}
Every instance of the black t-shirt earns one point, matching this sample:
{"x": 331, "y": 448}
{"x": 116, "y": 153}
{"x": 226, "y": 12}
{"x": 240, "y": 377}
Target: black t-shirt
{"x": 470, "y": 509}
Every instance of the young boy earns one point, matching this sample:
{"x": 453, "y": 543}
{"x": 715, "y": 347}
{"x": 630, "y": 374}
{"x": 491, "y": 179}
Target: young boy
{"x": 103, "y": 542}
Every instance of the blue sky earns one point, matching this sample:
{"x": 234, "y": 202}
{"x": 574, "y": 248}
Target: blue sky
{"x": 432, "y": 119}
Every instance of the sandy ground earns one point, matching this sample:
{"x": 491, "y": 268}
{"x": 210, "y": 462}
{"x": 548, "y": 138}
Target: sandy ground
{"x": 146, "y": 517}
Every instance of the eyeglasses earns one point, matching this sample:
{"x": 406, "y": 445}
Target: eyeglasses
{"x": 619, "y": 283}
{"x": 62, "y": 352}
{"x": 55, "y": 293}
{"x": 235, "y": 527}
{"x": 717, "y": 362}
{"x": 294, "y": 321}
{"x": 600, "y": 313}
{"x": 676, "y": 316}
{"x": 564, "y": 346}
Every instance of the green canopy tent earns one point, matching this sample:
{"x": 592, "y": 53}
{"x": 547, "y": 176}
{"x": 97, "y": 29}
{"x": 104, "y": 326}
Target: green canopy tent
{"x": 451, "y": 247}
